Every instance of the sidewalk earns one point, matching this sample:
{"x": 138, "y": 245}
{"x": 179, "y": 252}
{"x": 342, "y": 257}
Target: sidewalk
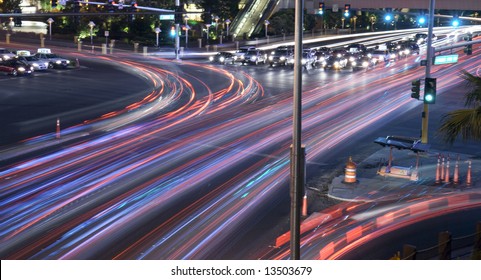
{"x": 371, "y": 186}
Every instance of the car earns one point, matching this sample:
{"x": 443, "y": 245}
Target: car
{"x": 6, "y": 54}
{"x": 335, "y": 62}
{"x": 222, "y": 58}
{"x": 240, "y": 53}
{"x": 279, "y": 57}
{"x": 307, "y": 60}
{"x": 37, "y": 64}
{"x": 255, "y": 56}
{"x": 15, "y": 67}
{"x": 356, "y": 48}
{"x": 421, "y": 38}
{"x": 54, "y": 60}
{"x": 378, "y": 55}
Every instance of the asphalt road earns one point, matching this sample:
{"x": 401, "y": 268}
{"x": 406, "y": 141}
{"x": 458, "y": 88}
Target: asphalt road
{"x": 30, "y": 105}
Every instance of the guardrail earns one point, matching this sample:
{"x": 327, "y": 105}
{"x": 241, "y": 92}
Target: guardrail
{"x": 448, "y": 248}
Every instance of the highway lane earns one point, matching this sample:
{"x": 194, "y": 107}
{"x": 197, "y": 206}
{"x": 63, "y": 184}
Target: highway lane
{"x": 173, "y": 168}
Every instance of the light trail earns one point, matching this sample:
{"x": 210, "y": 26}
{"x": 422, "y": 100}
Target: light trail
{"x": 181, "y": 180}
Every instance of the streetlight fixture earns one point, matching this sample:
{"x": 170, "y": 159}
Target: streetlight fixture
{"x": 216, "y": 18}
{"x": 227, "y": 22}
{"x": 157, "y": 31}
{"x": 266, "y": 23}
{"x": 91, "y": 25}
{"x": 50, "y": 21}
{"x": 186, "y": 31}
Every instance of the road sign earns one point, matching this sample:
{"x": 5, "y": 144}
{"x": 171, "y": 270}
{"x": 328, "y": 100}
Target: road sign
{"x": 167, "y": 17}
{"x": 446, "y": 59}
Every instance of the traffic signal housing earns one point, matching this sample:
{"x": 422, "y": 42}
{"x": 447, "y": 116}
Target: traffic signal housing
{"x": 321, "y": 8}
{"x": 415, "y": 89}
{"x": 54, "y": 3}
{"x": 347, "y": 10}
{"x": 430, "y": 91}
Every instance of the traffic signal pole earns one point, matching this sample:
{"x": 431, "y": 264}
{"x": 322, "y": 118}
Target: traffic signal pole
{"x": 429, "y": 56}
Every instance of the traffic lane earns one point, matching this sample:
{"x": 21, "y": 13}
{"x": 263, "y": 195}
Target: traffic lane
{"x": 30, "y": 105}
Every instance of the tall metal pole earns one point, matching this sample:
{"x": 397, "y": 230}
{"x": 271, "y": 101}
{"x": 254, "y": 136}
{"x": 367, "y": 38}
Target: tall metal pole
{"x": 429, "y": 56}
{"x": 177, "y": 39}
{"x": 297, "y": 180}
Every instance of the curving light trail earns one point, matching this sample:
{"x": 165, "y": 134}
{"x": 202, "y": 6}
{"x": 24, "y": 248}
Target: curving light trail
{"x": 180, "y": 174}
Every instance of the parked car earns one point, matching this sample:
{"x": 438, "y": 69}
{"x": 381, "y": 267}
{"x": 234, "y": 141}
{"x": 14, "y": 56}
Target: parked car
{"x": 15, "y": 67}
{"x": 54, "y": 60}
{"x": 255, "y": 56}
{"x": 222, "y": 58}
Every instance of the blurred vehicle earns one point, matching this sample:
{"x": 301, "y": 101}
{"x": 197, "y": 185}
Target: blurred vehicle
{"x": 240, "y": 53}
{"x": 307, "y": 60}
{"x": 408, "y": 48}
{"x": 54, "y": 60}
{"x": 255, "y": 56}
{"x": 6, "y": 54}
{"x": 36, "y": 63}
{"x": 322, "y": 54}
{"x": 356, "y": 48}
{"x": 15, "y": 67}
{"x": 279, "y": 57}
{"x": 378, "y": 55}
{"x": 222, "y": 58}
{"x": 335, "y": 62}
{"x": 421, "y": 38}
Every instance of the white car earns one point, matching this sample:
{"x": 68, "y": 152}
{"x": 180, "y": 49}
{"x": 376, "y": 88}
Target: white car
{"x": 37, "y": 64}
{"x": 54, "y": 60}
{"x": 6, "y": 54}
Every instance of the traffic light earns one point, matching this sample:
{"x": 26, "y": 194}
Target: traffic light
{"x": 321, "y": 8}
{"x": 415, "y": 88}
{"x": 54, "y": 3}
{"x": 347, "y": 10}
{"x": 172, "y": 31}
{"x": 430, "y": 91}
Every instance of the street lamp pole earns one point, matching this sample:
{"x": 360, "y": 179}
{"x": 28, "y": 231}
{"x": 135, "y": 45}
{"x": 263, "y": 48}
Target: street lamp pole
{"x": 157, "y": 31}
{"x": 186, "y": 31}
{"x": 207, "y": 26}
{"x": 50, "y": 21}
{"x": 91, "y": 25}
{"x": 266, "y": 23}
{"x": 227, "y": 22}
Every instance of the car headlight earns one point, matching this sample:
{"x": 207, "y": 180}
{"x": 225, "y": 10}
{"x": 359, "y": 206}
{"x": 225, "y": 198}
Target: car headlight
{"x": 58, "y": 62}
{"x": 336, "y": 64}
{"x": 365, "y": 64}
{"x": 353, "y": 63}
{"x": 211, "y": 58}
{"x": 36, "y": 65}
{"x": 351, "y": 59}
{"x": 303, "y": 61}
{"x": 283, "y": 58}
{"x": 21, "y": 69}
{"x": 222, "y": 59}
{"x": 322, "y": 58}
{"x": 242, "y": 57}
{"x": 46, "y": 64}
{"x": 407, "y": 51}
{"x": 271, "y": 58}
{"x": 393, "y": 55}
{"x": 254, "y": 57}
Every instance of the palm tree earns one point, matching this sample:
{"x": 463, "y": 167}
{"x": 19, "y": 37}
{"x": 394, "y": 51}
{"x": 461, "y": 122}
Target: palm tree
{"x": 465, "y": 122}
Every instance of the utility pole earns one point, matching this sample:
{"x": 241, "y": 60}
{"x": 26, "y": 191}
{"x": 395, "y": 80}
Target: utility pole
{"x": 429, "y": 59}
{"x": 297, "y": 167}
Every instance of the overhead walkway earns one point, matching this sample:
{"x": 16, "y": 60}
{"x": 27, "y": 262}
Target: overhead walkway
{"x": 251, "y": 18}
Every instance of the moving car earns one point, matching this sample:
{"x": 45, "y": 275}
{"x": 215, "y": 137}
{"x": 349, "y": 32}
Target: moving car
{"x": 222, "y": 58}
{"x": 240, "y": 53}
{"x": 15, "y": 67}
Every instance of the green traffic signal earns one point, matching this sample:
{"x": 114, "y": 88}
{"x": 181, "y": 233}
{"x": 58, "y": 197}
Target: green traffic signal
{"x": 430, "y": 91}
{"x": 415, "y": 88}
